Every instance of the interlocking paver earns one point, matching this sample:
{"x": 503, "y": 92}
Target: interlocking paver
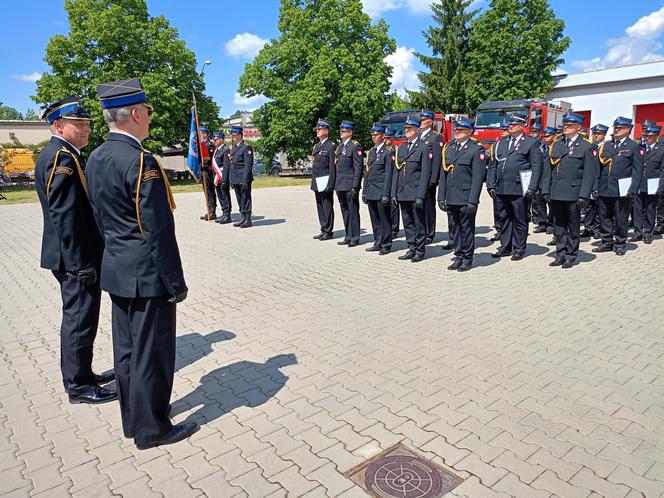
{"x": 516, "y": 401}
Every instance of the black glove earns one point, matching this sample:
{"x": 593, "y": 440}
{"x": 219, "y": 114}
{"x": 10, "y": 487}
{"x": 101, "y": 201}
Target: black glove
{"x": 583, "y": 202}
{"x": 385, "y": 201}
{"x": 492, "y": 193}
{"x": 546, "y": 197}
{"x": 442, "y": 205}
{"x": 432, "y": 187}
{"x": 364, "y": 198}
{"x": 593, "y": 195}
{"x": 245, "y": 186}
{"x": 471, "y": 208}
{"x": 631, "y": 195}
{"x": 529, "y": 194}
{"x": 419, "y": 203}
{"x": 395, "y": 203}
{"x": 353, "y": 193}
{"x": 178, "y": 298}
{"x": 87, "y": 276}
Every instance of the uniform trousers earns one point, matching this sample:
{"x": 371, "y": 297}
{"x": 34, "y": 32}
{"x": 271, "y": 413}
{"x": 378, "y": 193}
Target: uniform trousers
{"x": 325, "y": 208}
{"x": 462, "y": 233}
{"x": 414, "y": 227}
{"x": 497, "y": 215}
{"x": 590, "y": 217}
{"x": 208, "y": 179}
{"x": 644, "y": 209}
{"x": 243, "y": 198}
{"x": 660, "y": 213}
{"x": 395, "y": 218}
{"x": 566, "y": 229}
{"x": 540, "y": 215}
{"x": 224, "y": 195}
{"x": 381, "y": 223}
{"x": 78, "y": 329}
{"x": 430, "y": 207}
{"x": 144, "y": 359}
{"x": 350, "y": 212}
{"x": 513, "y": 223}
{"x": 613, "y": 213}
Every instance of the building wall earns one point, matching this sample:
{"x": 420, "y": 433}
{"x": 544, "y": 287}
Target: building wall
{"x": 26, "y": 132}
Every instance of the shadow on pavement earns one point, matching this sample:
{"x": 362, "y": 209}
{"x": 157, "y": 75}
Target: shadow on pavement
{"x": 190, "y": 348}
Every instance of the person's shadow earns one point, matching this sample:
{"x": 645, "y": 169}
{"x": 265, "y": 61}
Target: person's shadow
{"x": 190, "y": 348}
{"x": 245, "y": 383}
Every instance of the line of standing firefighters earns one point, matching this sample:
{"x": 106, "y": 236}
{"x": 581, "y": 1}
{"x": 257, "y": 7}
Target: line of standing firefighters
{"x": 558, "y": 182}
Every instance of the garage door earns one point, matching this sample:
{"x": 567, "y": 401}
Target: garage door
{"x": 652, "y": 112}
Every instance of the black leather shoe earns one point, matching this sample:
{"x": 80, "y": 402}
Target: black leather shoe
{"x": 383, "y": 252}
{"x": 465, "y": 267}
{"x": 636, "y": 238}
{"x": 620, "y": 251}
{"x": 596, "y": 236}
{"x": 213, "y": 216}
{"x": 416, "y": 259}
{"x": 372, "y": 249}
{"x": 586, "y": 234}
{"x": 500, "y": 254}
{"x": 408, "y": 255}
{"x": 353, "y": 244}
{"x": 517, "y": 257}
{"x": 428, "y": 241}
{"x": 557, "y": 262}
{"x": 317, "y": 237}
{"x": 455, "y": 265}
{"x": 105, "y": 378}
{"x": 447, "y": 247}
{"x": 226, "y": 218}
{"x": 603, "y": 249}
{"x": 647, "y": 240}
{"x": 177, "y": 433}
{"x": 539, "y": 229}
{"x": 343, "y": 242}
{"x": 96, "y": 395}
{"x": 239, "y": 223}
{"x": 246, "y": 223}
{"x": 568, "y": 264}
{"x": 551, "y": 242}
{"x": 325, "y": 236}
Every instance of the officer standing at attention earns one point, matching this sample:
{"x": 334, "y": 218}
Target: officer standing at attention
{"x": 349, "y": 159}
{"x": 72, "y": 247}
{"x": 221, "y": 157}
{"x": 512, "y": 155}
{"x": 208, "y": 174}
{"x": 242, "y": 174}
{"x": 141, "y": 267}
{"x": 544, "y": 217}
{"x": 394, "y": 209}
{"x": 409, "y": 188}
{"x": 567, "y": 181}
{"x": 377, "y": 190}
{"x": 538, "y": 211}
{"x": 645, "y": 203}
{"x": 435, "y": 142}
{"x": 497, "y": 215}
{"x": 622, "y": 158}
{"x": 322, "y": 164}
{"x": 463, "y": 170}
{"x": 590, "y": 215}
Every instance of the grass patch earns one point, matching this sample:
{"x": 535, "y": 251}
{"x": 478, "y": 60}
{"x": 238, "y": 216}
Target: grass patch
{"x": 21, "y": 196}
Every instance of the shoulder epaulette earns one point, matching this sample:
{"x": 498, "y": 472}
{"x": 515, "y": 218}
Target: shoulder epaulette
{"x": 355, "y": 142}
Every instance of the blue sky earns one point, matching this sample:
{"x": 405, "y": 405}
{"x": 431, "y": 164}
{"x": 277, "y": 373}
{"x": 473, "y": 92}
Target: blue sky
{"x": 604, "y": 34}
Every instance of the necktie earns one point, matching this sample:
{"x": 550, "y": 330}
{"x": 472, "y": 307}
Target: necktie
{"x": 410, "y": 144}
{"x": 569, "y": 143}
{"x": 511, "y": 146}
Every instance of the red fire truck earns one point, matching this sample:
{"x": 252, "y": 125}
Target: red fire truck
{"x": 442, "y": 124}
{"x": 490, "y": 114}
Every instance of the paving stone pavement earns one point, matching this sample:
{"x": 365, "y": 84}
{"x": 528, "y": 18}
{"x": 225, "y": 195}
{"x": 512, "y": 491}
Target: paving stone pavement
{"x": 302, "y": 359}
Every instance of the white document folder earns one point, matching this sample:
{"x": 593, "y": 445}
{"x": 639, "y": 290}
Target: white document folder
{"x": 623, "y": 186}
{"x": 321, "y": 182}
{"x": 525, "y": 179}
{"x": 653, "y": 185}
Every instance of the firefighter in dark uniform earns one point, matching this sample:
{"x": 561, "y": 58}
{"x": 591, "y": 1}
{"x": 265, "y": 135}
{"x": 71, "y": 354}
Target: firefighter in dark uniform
{"x": 549, "y": 136}
{"x": 512, "y": 156}
{"x": 410, "y": 184}
{"x": 377, "y": 190}
{"x": 242, "y": 174}
{"x": 221, "y": 157}
{"x": 497, "y": 215}
{"x": 590, "y": 215}
{"x": 645, "y": 202}
{"x": 620, "y": 159}
{"x": 208, "y": 175}
{"x": 567, "y": 181}
{"x": 322, "y": 165}
{"x": 539, "y": 213}
{"x": 72, "y": 247}
{"x": 349, "y": 159}
{"x": 141, "y": 267}
{"x": 463, "y": 170}
{"x": 394, "y": 209}
{"x": 435, "y": 142}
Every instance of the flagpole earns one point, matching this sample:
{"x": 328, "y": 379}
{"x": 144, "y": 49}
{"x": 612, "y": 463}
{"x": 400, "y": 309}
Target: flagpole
{"x": 200, "y": 156}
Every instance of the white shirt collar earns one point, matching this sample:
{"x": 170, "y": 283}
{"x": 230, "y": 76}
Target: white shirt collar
{"x": 68, "y": 142}
{"x": 424, "y": 132}
{"x": 378, "y": 147}
{"x": 346, "y": 141}
{"x": 573, "y": 139}
{"x": 463, "y": 143}
{"x": 323, "y": 141}
{"x": 620, "y": 142}
{"x": 517, "y": 138}
{"x": 122, "y": 132}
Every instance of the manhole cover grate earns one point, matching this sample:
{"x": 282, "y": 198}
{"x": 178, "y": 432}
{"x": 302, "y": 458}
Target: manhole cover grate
{"x": 400, "y": 472}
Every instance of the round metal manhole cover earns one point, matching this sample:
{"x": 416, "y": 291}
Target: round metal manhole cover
{"x": 403, "y": 476}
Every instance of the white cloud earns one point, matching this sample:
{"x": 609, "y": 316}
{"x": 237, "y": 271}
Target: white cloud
{"x": 375, "y": 8}
{"x": 418, "y": 6}
{"x": 404, "y": 77}
{"x": 32, "y": 77}
{"x": 244, "y": 45}
{"x": 249, "y": 103}
{"x": 639, "y": 46}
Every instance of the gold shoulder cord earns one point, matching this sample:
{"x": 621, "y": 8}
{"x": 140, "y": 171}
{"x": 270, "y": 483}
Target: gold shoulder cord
{"x": 398, "y": 166}
{"x": 555, "y": 162}
{"x": 446, "y": 168}
{"x": 169, "y": 193}
{"x": 367, "y": 167}
{"x": 313, "y": 155}
{"x": 491, "y": 152}
{"x": 50, "y": 177}
{"x": 79, "y": 171}
{"x": 81, "y": 175}
{"x": 605, "y": 162}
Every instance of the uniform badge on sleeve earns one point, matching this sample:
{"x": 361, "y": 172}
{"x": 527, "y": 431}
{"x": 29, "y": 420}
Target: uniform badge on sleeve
{"x": 249, "y": 151}
{"x": 641, "y": 151}
{"x": 150, "y": 175}
{"x": 430, "y": 155}
{"x": 359, "y": 152}
{"x": 482, "y": 156}
{"x": 594, "y": 153}
{"x": 63, "y": 170}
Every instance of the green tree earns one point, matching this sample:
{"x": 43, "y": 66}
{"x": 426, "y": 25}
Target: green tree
{"x": 399, "y": 103}
{"x": 327, "y": 63}
{"x": 112, "y": 40}
{"x": 515, "y": 47}
{"x": 30, "y": 115}
{"x": 7, "y": 112}
{"x": 444, "y": 85}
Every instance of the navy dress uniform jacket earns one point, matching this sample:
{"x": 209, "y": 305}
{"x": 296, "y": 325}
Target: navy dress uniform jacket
{"x": 70, "y": 241}
{"x": 623, "y": 161}
{"x": 141, "y": 256}
{"x": 322, "y": 164}
{"x": 653, "y": 166}
{"x": 222, "y": 157}
{"x": 570, "y": 172}
{"x": 435, "y": 143}
{"x": 462, "y": 184}
{"x": 504, "y": 171}
{"x": 380, "y": 168}
{"x": 242, "y": 163}
{"x": 349, "y": 162}
{"x": 411, "y": 180}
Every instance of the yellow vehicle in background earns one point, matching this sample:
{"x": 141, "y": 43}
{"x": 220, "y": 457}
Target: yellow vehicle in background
{"x": 17, "y": 164}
